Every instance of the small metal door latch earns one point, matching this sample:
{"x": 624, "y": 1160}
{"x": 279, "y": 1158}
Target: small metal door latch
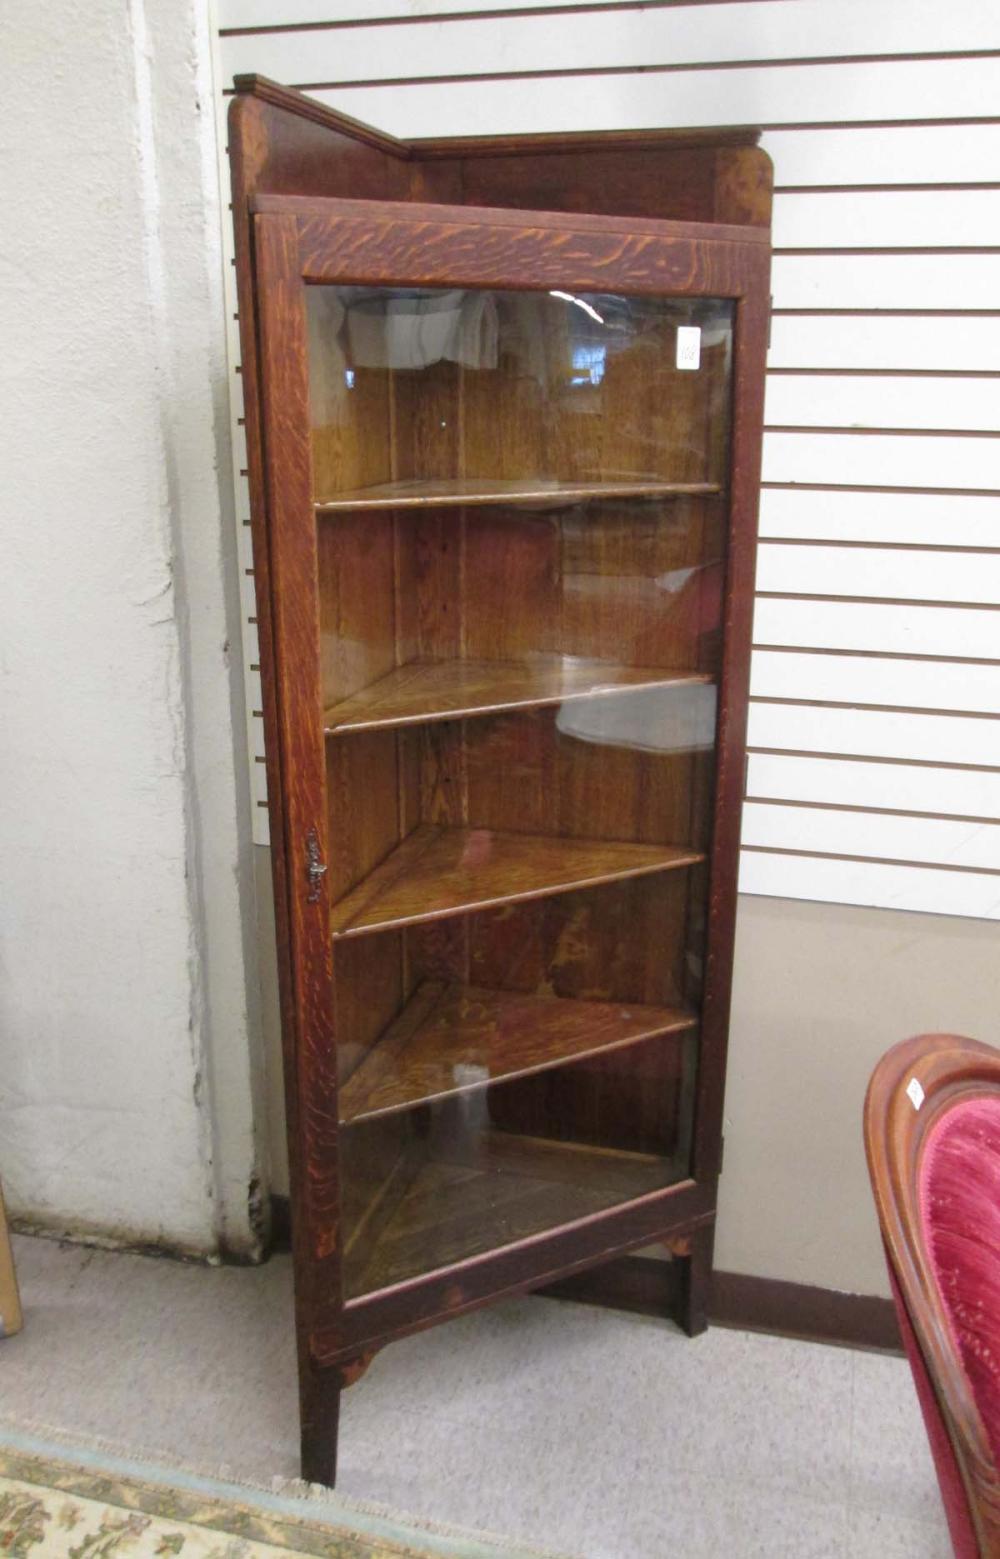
{"x": 315, "y": 871}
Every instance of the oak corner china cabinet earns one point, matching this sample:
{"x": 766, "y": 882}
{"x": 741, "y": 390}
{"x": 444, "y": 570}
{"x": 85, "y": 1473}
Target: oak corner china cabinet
{"x": 503, "y": 411}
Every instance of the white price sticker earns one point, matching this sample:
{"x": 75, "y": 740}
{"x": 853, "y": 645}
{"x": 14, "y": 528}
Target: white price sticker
{"x": 915, "y": 1093}
{"x": 689, "y": 346}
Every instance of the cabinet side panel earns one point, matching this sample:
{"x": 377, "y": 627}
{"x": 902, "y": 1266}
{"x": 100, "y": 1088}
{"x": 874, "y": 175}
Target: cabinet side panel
{"x": 750, "y": 348}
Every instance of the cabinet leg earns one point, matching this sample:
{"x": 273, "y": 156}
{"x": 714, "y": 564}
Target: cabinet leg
{"x": 319, "y": 1407}
{"x": 696, "y": 1282}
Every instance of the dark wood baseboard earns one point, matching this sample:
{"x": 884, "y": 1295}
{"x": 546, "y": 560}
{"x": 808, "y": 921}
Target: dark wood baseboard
{"x": 739, "y": 1300}
{"x": 757, "y": 1304}
{"x": 748, "y": 1303}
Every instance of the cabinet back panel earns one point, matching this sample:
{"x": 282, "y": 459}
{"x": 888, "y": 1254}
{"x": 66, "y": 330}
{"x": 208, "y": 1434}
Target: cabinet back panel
{"x": 617, "y": 769}
{"x": 349, "y": 408}
{"x": 430, "y": 563}
{"x": 366, "y": 791}
{"x": 371, "y": 987}
{"x": 637, "y": 584}
{"x": 357, "y": 594}
{"x": 426, "y": 421}
{"x": 630, "y": 1100}
{"x": 624, "y": 941}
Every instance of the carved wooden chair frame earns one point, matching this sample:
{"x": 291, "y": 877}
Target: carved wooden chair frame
{"x": 913, "y": 1086}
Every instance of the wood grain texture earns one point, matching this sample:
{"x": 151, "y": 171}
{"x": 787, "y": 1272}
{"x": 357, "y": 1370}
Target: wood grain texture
{"x": 294, "y": 568}
{"x": 440, "y": 871}
{"x": 702, "y": 182}
{"x": 452, "y": 689}
{"x": 298, "y": 106}
{"x": 449, "y": 1039}
{"x": 462, "y": 492}
{"x": 478, "y": 1194}
{"x": 720, "y": 234}
{"x": 388, "y": 250}
{"x": 949, "y": 1069}
{"x": 474, "y": 1281}
{"x": 620, "y": 942}
{"x": 628, "y": 939}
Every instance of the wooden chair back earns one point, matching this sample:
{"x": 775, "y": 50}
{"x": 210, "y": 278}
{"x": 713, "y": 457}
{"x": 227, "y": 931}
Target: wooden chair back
{"x": 914, "y": 1090}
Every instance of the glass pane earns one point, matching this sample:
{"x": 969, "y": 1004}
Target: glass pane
{"x": 521, "y": 526}
{"x": 425, "y": 392}
{"x": 442, "y": 1182}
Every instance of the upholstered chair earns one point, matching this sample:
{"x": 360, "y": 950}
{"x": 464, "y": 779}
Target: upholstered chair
{"x": 932, "y": 1135}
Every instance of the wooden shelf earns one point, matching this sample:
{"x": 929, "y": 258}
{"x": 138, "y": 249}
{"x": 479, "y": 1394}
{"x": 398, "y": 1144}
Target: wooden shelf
{"x": 452, "y": 689}
{"x": 437, "y": 872}
{"x": 476, "y": 490}
{"x": 450, "y": 1039}
{"x": 483, "y": 1191}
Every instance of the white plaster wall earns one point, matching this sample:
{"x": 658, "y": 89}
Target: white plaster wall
{"x": 128, "y": 1067}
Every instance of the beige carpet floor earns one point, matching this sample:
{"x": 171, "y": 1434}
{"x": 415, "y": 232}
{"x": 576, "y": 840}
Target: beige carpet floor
{"x": 582, "y": 1431}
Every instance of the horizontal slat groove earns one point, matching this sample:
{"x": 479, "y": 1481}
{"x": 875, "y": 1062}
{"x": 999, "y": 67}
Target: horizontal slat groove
{"x": 865, "y": 432}
{"x": 869, "y": 487}
{"x": 853, "y": 831}
{"x": 840, "y": 250}
{"x": 810, "y": 649}
{"x": 876, "y": 600}
{"x": 674, "y": 68}
{"x": 884, "y": 373}
{"x": 893, "y": 709}
{"x": 868, "y": 757}
{"x": 929, "y": 120}
{"x": 880, "y": 546}
{"x": 860, "y": 313}
{"x": 488, "y": 14}
{"x": 874, "y": 860}
{"x": 835, "y": 806}
{"x": 883, "y": 189}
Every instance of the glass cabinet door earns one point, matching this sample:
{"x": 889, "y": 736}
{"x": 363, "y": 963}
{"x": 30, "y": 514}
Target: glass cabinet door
{"x": 521, "y": 517}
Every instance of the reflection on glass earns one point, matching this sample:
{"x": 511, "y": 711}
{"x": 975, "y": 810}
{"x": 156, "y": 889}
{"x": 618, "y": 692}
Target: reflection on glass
{"x": 521, "y": 526}
{"x": 492, "y": 1165}
{"x": 446, "y": 392}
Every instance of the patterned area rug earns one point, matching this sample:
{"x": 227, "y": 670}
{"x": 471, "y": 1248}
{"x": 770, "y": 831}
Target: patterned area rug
{"x": 90, "y": 1508}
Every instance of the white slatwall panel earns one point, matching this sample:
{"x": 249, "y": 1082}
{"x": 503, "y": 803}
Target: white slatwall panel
{"x": 879, "y": 572}
{"x": 862, "y": 679}
{"x": 956, "y": 633}
{"x": 909, "y": 519}
{"x": 900, "y": 154}
{"x": 898, "y": 218}
{"x": 606, "y": 40}
{"x": 870, "y": 460}
{"x": 879, "y": 342}
{"x": 787, "y": 95}
{"x": 851, "y": 401}
{"x": 885, "y": 281}
{"x": 874, "y": 772}
{"x": 886, "y": 786}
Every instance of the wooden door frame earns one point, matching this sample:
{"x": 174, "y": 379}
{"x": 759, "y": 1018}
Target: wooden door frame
{"x": 299, "y": 241}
